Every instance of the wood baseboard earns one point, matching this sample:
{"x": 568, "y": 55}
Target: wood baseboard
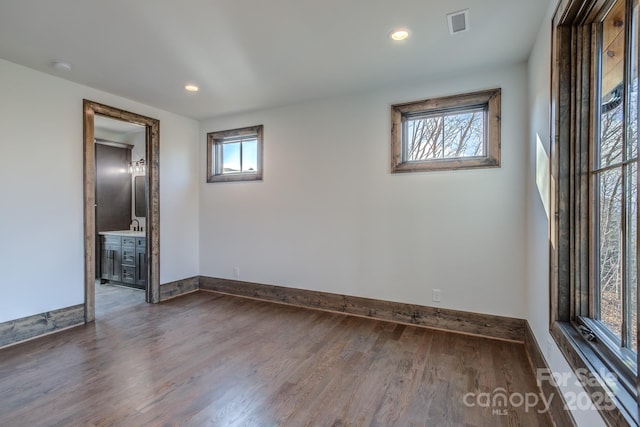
{"x": 29, "y": 327}
{"x": 179, "y": 287}
{"x": 560, "y": 416}
{"x": 486, "y": 325}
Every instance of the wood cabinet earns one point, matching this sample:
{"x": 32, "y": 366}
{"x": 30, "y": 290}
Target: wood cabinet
{"x": 128, "y": 260}
{"x": 124, "y": 259}
{"x": 111, "y": 259}
{"x": 141, "y": 262}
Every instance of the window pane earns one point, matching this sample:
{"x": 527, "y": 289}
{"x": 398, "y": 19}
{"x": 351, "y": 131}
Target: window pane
{"x": 631, "y": 261}
{"x": 446, "y": 136}
{"x": 632, "y": 188}
{"x": 424, "y": 138}
{"x": 464, "y": 135}
{"x": 612, "y": 94}
{"x": 249, "y": 155}
{"x": 231, "y": 157}
{"x": 609, "y": 239}
{"x": 632, "y": 135}
{"x": 611, "y": 126}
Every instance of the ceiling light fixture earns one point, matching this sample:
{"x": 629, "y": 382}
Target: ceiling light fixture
{"x": 61, "y": 66}
{"x": 191, "y": 88}
{"x": 137, "y": 167}
{"x": 399, "y": 34}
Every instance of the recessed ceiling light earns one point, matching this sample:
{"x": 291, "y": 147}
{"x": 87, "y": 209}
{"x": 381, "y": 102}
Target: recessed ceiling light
{"x": 191, "y": 88}
{"x": 399, "y": 34}
{"x": 61, "y": 66}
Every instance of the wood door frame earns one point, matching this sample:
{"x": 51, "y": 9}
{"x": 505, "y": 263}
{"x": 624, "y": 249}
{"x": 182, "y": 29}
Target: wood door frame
{"x": 152, "y": 149}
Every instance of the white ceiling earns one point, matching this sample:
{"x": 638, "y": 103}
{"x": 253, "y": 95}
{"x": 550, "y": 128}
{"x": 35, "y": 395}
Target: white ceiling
{"x": 250, "y": 54}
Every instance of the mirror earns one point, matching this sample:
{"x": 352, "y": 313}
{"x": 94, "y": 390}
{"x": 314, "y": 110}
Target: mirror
{"x": 140, "y": 198}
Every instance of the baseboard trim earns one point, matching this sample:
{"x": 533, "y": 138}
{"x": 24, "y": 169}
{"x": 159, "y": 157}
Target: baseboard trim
{"x": 485, "y": 325}
{"x": 559, "y": 415}
{"x": 179, "y": 287}
{"x": 26, "y": 328}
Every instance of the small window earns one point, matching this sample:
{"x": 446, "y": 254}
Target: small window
{"x": 454, "y": 132}
{"x": 235, "y": 155}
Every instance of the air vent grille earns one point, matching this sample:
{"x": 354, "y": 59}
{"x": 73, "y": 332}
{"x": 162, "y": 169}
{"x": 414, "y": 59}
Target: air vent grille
{"x": 458, "y": 21}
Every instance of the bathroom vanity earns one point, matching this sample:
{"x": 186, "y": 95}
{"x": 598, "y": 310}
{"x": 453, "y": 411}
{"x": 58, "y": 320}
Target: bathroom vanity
{"x": 123, "y": 257}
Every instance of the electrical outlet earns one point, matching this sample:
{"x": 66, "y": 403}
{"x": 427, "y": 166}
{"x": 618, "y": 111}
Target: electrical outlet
{"x": 236, "y": 272}
{"x": 436, "y": 295}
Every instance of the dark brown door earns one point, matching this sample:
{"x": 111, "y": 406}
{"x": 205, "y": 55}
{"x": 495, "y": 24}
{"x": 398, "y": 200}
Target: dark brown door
{"x": 113, "y": 191}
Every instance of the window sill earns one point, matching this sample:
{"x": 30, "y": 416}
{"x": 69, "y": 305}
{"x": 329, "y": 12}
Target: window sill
{"x": 447, "y": 164}
{"x": 235, "y": 177}
{"x": 613, "y": 401}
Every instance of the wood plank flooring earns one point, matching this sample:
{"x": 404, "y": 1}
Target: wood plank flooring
{"x": 207, "y": 359}
{"x": 111, "y": 298}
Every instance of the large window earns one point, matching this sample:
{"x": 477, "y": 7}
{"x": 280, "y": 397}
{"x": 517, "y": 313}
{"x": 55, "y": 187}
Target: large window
{"x": 595, "y": 202}
{"x": 614, "y": 183}
{"x": 235, "y": 155}
{"x": 455, "y": 132}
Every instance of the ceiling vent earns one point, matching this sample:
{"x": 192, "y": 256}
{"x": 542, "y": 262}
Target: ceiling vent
{"x": 458, "y": 21}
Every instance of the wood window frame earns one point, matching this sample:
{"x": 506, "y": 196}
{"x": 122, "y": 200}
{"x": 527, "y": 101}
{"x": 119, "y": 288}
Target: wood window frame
{"x": 490, "y": 100}
{"x": 214, "y": 139}
{"x": 573, "y": 87}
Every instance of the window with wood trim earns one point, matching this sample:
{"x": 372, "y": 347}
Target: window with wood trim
{"x": 594, "y": 231}
{"x": 454, "y": 132}
{"x": 235, "y": 155}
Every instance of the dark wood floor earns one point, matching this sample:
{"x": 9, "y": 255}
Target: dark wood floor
{"x": 209, "y": 359}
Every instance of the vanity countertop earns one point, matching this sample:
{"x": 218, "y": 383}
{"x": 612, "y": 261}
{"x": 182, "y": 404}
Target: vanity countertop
{"x": 123, "y": 233}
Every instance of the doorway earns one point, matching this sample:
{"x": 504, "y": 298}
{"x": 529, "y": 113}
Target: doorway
{"x": 120, "y": 253}
{"x": 149, "y": 235}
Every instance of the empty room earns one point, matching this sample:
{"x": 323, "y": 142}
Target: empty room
{"x": 319, "y": 213}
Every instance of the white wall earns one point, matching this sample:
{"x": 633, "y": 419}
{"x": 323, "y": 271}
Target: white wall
{"x": 139, "y": 142}
{"x": 41, "y": 214}
{"x": 329, "y": 216}
{"x": 108, "y": 135}
{"x": 537, "y": 195}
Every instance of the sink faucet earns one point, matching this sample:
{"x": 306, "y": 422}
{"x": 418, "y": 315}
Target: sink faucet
{"x": 137, "y": 227}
